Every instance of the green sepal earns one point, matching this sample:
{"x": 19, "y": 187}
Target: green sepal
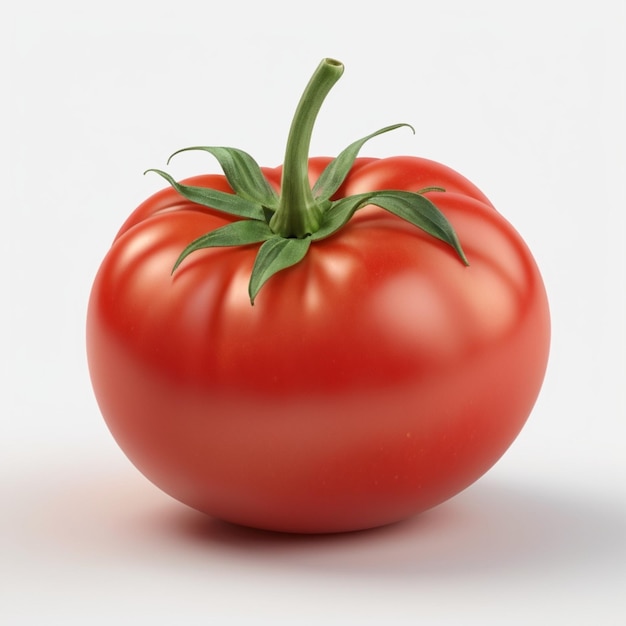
{"x": 219, "y": 200}
{"x": 239, "y": 233}
{"x": 421, "y": 212}
{"x": 336, "y": 171}
{"x": 410, "y": 206}
{"x": 243, "y": 174}
{"x": 339, "y": 214}
{"x": 276, "y": 254}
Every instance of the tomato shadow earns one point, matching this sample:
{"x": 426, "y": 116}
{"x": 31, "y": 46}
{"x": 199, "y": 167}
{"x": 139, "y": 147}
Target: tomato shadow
{"x": 490, "y": 528}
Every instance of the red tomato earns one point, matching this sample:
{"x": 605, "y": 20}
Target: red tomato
{"x": 373, "y": 380}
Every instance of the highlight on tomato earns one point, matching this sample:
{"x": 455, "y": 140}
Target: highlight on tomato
{"x": 330, "y": 345}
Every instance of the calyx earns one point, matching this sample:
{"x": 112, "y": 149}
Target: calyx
{"x": 287, "y": 223}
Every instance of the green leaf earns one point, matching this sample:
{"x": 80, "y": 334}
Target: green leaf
{"x": 421, "y": 212}
{"x": 336, "y": 171}
{"x": 339, "y": 214}
{"x": 427, "y": 189}
{"x": 218, "y": 200}
{"x": 276, "y": 254}
{"x": 239, "y": 233}
{"x": 243, "y": 174}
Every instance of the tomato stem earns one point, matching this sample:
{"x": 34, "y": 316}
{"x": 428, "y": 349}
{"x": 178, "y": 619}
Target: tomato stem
{"x": 298, "y": 215}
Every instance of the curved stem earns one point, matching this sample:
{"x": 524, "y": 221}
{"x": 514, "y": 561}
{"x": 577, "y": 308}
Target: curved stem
{"x": 298, "y": 215}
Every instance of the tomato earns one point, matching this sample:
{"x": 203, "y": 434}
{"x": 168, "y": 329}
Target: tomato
{"x": 373, "y": 379}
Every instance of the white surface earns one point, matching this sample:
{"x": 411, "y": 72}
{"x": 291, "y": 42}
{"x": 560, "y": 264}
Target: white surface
{"x": 529, "y": 103}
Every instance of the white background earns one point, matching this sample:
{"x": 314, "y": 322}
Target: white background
{"x": 525, "y": 99}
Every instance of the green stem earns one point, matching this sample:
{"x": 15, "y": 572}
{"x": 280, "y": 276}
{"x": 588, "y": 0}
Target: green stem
{"x": 298, "y": 215}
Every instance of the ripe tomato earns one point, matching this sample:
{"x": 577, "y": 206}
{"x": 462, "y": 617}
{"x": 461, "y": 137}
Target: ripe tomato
{"x": 372, "y": 380}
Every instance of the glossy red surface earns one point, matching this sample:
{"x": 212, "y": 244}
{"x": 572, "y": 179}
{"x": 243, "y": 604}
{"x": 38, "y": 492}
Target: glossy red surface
{"x": 374, "y": 380}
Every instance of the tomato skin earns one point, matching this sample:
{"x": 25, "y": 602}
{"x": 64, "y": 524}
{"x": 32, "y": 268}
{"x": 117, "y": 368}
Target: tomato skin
{"x": 370, "y": 382}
